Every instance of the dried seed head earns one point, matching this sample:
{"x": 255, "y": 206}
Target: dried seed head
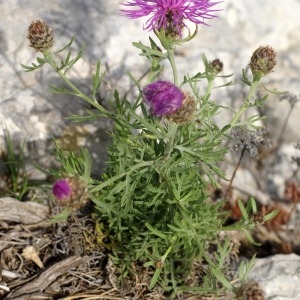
{"x": 185, "y": 113}
{"x": 251, "y": 291}
{"x": 40, "y": 36}
{"x": 263, "y": 61}
{"x": 291, "y": 98}
{"x": 252, "y": 142}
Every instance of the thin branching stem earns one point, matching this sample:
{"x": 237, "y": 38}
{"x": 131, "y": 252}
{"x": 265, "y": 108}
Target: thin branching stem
{"x": 94, "y": 103}
{"x": 234, "y": 173}
{"x": 244, "y": 107}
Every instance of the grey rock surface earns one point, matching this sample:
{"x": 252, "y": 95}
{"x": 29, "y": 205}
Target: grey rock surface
{"x": 279, "y": 276}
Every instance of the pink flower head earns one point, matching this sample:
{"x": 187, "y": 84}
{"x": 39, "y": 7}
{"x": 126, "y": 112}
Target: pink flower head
{"x": 170, "y": 14}
{"x": 163, "y": 97}
{"x": 61, "y": 189}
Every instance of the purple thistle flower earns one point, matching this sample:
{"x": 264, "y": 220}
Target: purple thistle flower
{"x": 170, "y": 14}
{"x": 163, "y": 97}
{"x": 61, "y": 189}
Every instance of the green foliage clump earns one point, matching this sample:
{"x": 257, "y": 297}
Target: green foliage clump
{"x": 153, "y": 201}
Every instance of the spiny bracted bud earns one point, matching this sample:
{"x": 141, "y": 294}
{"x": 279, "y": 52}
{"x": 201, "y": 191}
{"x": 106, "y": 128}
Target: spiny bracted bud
{"x": 40, "y": 35}
{"x": 71, "y": 193}
{"x": 263, "y": 61}
{"x": 250, "y": 291}
{"x": 216, "y": 66}
{"x": 185, "y": 113}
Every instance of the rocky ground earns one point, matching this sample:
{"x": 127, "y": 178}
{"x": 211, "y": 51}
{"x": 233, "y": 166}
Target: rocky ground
{"x": 33, "y": 115}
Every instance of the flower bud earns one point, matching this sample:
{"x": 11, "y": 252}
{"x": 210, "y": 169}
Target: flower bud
{"x": 263, "y": 61}
{"x": 163, "y": 97}
{"x": 185, "y": 113}
{"x": 250, "y": 291}
{"x": 40, "y": 36}
{"x": 216, "y": 66}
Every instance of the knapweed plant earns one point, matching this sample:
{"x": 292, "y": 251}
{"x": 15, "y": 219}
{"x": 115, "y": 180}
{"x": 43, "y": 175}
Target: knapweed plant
{"x": 152, "y": 202}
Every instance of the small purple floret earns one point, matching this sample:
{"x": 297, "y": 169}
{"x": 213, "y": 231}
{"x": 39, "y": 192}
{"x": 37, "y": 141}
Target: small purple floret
{"x": 163, "y": 12}
{"x": 61, "y": 189}
{"x": 163, "y": 97}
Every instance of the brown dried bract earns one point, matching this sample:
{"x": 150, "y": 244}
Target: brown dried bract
{"x": 40, "y": 35}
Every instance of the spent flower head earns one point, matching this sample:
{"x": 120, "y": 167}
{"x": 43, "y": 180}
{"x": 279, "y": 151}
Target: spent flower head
{"x": 163, "y": 97}
{"x": 40, "y": 35}
{"x": 170, "y": 15}
{"x": 185, "y": 113}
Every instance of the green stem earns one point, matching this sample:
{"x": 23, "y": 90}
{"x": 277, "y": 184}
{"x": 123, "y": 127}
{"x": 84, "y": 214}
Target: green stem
{"x": 170, "y": 144}
{"x": 209, "y": 88}
{"x": 243, "y": 108}
{"x": 173, "y": 65}
{"x": 76, "y": 91}
{"x": 172, "y": 126}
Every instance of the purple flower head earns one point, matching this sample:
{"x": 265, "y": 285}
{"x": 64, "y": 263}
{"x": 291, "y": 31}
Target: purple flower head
{"x": 170, "y": 14}
{"x": 61, "y": 189}
{"x": 163, "y": 97}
